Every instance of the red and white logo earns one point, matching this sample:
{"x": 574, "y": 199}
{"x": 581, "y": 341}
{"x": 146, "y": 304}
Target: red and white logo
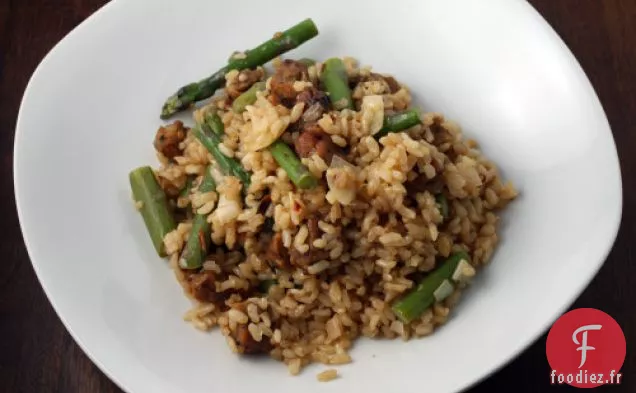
{"x": 585, "y": 348}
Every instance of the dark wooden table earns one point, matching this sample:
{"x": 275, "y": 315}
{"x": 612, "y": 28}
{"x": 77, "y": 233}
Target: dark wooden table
{"x": 38, "y": 355}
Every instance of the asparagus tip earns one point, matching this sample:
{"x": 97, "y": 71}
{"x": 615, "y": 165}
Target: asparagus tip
{"x": 170, "y": 107}
{"x": 307, "y": 182}
{"x": 313, "y": 28}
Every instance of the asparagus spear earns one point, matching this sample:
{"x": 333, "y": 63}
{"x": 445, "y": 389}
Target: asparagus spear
{"x": 189, "y": 94}
{"x": 207, "y": 183}
{"x": 154, "y": 206}
{"x": 336, "y": 83}
{"x": 265, "y": 285}
{"x": 399, "y": 122}
{"x": 205, "y": 88}
{"x": 268, "y": 225}
{"x": 248, "y": 97}
{"x": 442, "y": 205}
{"x": 199, "y": 239}
{"x": 208, "y": 134}
{"x": 288, "y": 160}
{"x": 187, "y": 187}
{"x": 215, "y": 123}
{"x": 413, "y": 305}
{"x": 307, "y": 61}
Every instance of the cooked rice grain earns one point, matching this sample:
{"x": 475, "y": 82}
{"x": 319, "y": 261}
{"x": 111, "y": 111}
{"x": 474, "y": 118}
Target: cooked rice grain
{"x": 327, "y": 375}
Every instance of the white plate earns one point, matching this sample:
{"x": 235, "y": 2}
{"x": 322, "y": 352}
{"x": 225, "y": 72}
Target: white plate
{"x": 89, "y": 116}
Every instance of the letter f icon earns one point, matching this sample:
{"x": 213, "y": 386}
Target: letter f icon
{"x": 584, "y": 347}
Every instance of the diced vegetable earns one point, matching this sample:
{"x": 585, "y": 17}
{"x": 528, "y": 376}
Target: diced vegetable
{"x": 268, "y": 225}
{"x": 306, "y": 61}
{"x": 154, "y": 206}
{"x": 267, "y": 125}
{"x": 464, "y": 272}
{"x": 373, "y": 113}
{"x": 248, "y": 97}
{"x": 336, "y": 82}
{"x": 198, "y": 242}
{"x": 442, "y": 205}
{"x": 399, "y": 122}
{"x": 215, "y": 123}
{"x": 209, "y": 134}
{"x": 208, "y": 184}
{"x": 265, "y": 285}
{"x": 297, "y": 172}
{"x": 443, "y": 291}
{"x": 226, "y": 210}
{"x": 343, "y": 192}
{"x": 187, "y": 187}
{"x": 411, "y": 306}
{"x": 229, "y": 206}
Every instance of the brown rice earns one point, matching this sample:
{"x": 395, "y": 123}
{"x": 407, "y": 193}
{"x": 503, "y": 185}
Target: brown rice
{"x": 376, "y": 237}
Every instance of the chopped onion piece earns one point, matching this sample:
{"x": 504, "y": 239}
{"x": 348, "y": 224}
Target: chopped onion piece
{"x": 443, "y": 291}
{"x": 372, "y": 113}
{"x": 341, "y": 179}
{"x": 229, "y": 206}
{"x": 464, "y": 272}
{"x": 226, "y": 210}
{"x": 339, "y": 162}
{"x": 217, "y": 175}
{"x": 264, "y": 127}
{"x": 313, "y": 113}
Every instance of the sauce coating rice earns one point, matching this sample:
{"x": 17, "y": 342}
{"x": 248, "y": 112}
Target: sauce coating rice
{"x": 298, "y": 265}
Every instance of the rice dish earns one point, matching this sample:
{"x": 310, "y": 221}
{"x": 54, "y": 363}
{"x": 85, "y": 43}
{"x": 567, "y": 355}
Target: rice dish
{"x": 363, "y": 231}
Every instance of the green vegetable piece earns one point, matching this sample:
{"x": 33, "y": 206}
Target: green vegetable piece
{"x": 187, "y": 187}
{"x": 198, "y": 243}
{"x": 215, "y": 123}
{"x": 268, "y": 225}
{"x": 205, "y": 88}
{"x": 154, "y": 206}
{"x": 413, "y": 305}
{"x": 265, "y": 285}
{"x": 247, "y": 98}
{"x": 281, "y": 43}
{"x": 442, "y": 205}
{"x": 306, "y": 61}
{"x": 209, "y": 134}
{"x": 207, "y": 183}
{"x": 399, "y": 122}
{"x": 297, "y": 172}
{"x": 336, "y": 82}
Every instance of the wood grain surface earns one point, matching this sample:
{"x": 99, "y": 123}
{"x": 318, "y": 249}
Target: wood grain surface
{"x": 38, "y": 355}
